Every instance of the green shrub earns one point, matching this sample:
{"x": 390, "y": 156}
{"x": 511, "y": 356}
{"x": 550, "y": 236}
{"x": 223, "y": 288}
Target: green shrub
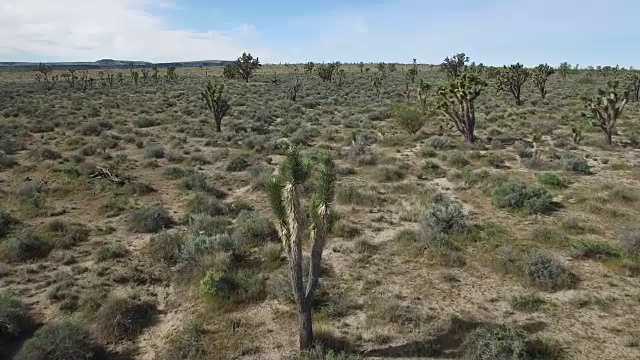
{"x": 197, "y": 247}
{"x": 138, "y": 188}
{"x": 31, "y": 195}
{"x": 528, "y": 302}
{"x": 443, "y": 219}
{"x": 551, "y": 179}
{"x": 237, "y": 163}
{"x": 253, "y": 229}
{"x": 60, "y": 341}
{"x": 351, "y": 194}
{"x": 43, "y": 153}
{"x": 198, "y": 182}
{"x": 209, "y": 225}
{"x": 154, "y": 152}
{"x": 409, "y": 118}
{"x": 439, "y": 142}
{"x": 111, "y": 251}
{"x": 458, "y": 159}
{"x": 547, "y": 272}
{"x": 66, "y": 235}
{"x": 389, "y": 173}
{"x": 26, "y": 246}
{"x": 15, "y": 318}
{"x": 629, "y": 241}
{"x": 166, "y": 246}
{"x": 6, "y": 223}
{"x": 122, "y": 318}
{"x": 190, "y": 343}
{"x": 7, "y": 161}
{"x": 623, "y": 193}
{"x": 150, "y": 219}
{"x": 239, "y": 286}
{"x": 575, "y": 162}
{"x": 431, "y": 168}
{"x": 203, "y": 203}
{"x": 494, "y": 160}
{"x": 594, "y": 249}
{"x": 517, "y": 195}
{"x": 492, "y": 342}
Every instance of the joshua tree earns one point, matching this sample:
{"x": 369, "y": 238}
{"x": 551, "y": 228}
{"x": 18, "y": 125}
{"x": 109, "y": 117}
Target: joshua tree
{"x": 634, "y": 82}
{"x": 145, "y": 74}
{"x": 391, "y": 67}
{"x": 382, "y": 68}
{"x": 455, "y": 66}
{"x": 156, "y": 73}
{"x": 285, "y": 195}
{"x": 70, "y": 77}
{"x": 510, "y": 79}
{"x": 407, "y": 91}
{"x": 293, "y": 91}
{"x": 377, "y": 85}
{"x": 171, "y": 74}
{"x": 110, "y": 77}
{"x": 245, "y": 66}
{"x": 213, "y": 97}
{"x": 44, "y": 71}
{"x": 540, "y": 75}
{"x": 342, "y": 76}
{"x": 423, "y": 89}
{"x": 361, "y": 67}
{"x": 606, "y": 108}
{"x": 120, "y": 78}
{"x": 230, "y": 71}
{"x": 308, "y": 68}
{"x": 564, "y": 69}
{"x": 134, "y": 75}
{"x": 326, "y": 71}
{"x": 413, "y": 72}
{"x": 457, "y": 102}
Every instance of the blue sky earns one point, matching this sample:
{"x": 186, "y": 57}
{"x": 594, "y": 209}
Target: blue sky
{"x": 584, "y": 32}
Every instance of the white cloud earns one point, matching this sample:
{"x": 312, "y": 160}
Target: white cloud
{"x": 119, "y": 29}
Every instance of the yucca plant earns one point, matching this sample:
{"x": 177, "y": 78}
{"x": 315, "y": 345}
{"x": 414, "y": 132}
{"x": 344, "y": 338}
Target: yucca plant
{"x": 285, "y": 194}
{"x": 457, "y": 103}
{"x": 377, "y": 85}
{"x": 606, "y": 108}
{"x": 413, "y": 71}
{"x": 423, "y": 91}
{"x": 213, "y": 97}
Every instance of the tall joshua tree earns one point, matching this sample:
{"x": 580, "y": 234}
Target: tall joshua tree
{"x": 246, "y": 65}
{"x": 457, "y": 103}
{"x": 606, "y": 108}
{"x": 540, "y": 75}
{"x": 455, "y": 66}
{"x": 510, "y": 79}
{"x": 285, "y": 194}
{"x": 213, "y": 97}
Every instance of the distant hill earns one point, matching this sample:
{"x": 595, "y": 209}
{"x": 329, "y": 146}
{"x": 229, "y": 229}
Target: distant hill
{"x": 108, "y": 64}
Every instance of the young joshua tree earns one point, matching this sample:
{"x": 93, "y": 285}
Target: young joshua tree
{"x": 564, "y": 69}
{"x": 361, "y": 67}
{"x": 285, "y": 193}
{"x": 413, "y": 72}
{"x": 634, "y": 82}
{"x": 510, "y": 79}
{"x": 213, "y": 97}
{"x": 377, "y": 85}
{"x": 540, "y": 75}
{"x": 606, "y": 108}
{"x": 423, "y": 91}
{"x": 457, "y": 102}
{"x": 455, "y": 66}
{"x": 308, "y": 68}
{"x": 246, "y": 65}
{"x": 293, "y": 91}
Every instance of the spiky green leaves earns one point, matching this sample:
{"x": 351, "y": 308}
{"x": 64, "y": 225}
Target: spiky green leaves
{"x": 510, "y": 79}
{"x": 606, "y": 108}
{"x": 455, "y": 66}
{"x": 457, "y": 103}
{"x": 326, "y": 181}
{"x": 213, "y": 97}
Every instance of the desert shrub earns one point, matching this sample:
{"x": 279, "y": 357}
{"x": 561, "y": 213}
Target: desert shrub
{"x": 146, "y": 122}
{"x": 62, "y": 291}
{"x": 237, "y": 163}
{"x": 444, "y": 219}
{"x": 94, "y": 128}
{"x": 508, "y": 259}
{"x": 189, "y": 344}
{"x": 494, "y": 160}
{"x": 345, "y": 229}
{"x": 517, "y": 195}
{"x": 43, "y": 153}
{"x": 319, "y": 353}
{"x": 150, "y": 219}
{"x": 31, "y": 195}
{"x": 547, "y": 272}
{"x": 389, "y": 174}
{"x": 15, "y": 318}
{"x": 209, "y": 225}
{"x": 60, "y": 341}
{"x": 629, "y": 241}
{"x": 431, "y": 168}
{"x": 551, "y": 179}
{"x": 153, "y": 151}
{"x": 203, "y": 203}
{"x": 66, "y": 235}
{"x": 138, "y": 188}
{"x": 7, "y": 161}
{"x": 528, "y": 302}
{"x": 88, "y": 150}
{"x": 239, "y": 286}
{"x": 458, "y": 159}
{"x": 6, "y": 223}
{"x": 166, "y": 246}
{"x": 623, "y": 193}
{"x": 410, "y": 118}
{"x": 122, "y": 318}
{"x": 198, "y": 182}
{"x": 175, "y": 172}
{"x": 197, "y": 247}
{"x": 575, "y": 162}
{"x": 594, "y": 249}
{"x": 26, "y": 246}
{"x": 272, "y": 253}
{"x": 253, "y": 229}
{"x": 111, "y": 251}
{"x": 491, "y": 342}
{"x": 351, "y": 194}
{"x": 522, "y": 150}
{"x": 439, "y": 142}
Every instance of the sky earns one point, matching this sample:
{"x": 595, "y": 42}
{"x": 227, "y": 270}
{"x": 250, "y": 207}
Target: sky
{"x": 493, "y": 32}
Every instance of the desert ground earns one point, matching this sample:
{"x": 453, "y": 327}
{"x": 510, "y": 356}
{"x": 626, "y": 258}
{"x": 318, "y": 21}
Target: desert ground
{"x": 116, "y": 201}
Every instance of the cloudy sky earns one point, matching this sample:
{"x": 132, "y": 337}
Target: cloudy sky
{"x": 585, "y": 32}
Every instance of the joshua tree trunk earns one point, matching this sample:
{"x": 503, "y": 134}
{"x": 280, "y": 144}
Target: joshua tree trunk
{"x": 608, "y": 134}
{"x": 306, "y": 328}
{"x": 218, "y": 123}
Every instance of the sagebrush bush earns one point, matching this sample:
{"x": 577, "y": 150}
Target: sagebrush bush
{"x": 439, "y": 142}
{"x": 204, "y": 203}
{"x": 458, "y": 159}
{"x": 493, "y": 342}
{"x": 551, "y": 179}
{"x": 239, "y": 286}
{"x": 444, "y": 219}
{"x": 26, "y": 245}
{"x": 517, "y": 195}
{"x": 166, "y": 246}
{"x": 253, "y": 229}
{"x": 122, "y": 318}
{"x": 237, "y": 163}
{"x": 409, "y": 118}
{"x": 111, "y": 251}
{"x": 629, "y": 240}
{"x": 61, "y": 341}
{"x": 209, "y": 225}
{"x": 494, "y": 160}
{"x": 548, "y": 272}
{"x": 7, "y": 161}
{"x": 198, "y": 182}
{"x": 153, "y": 151}
{"x": 15, "y": 318}
{"x": 138, "y": 188}
{"x": 66, "y": 235}
{"x": 389, "y": 173}
{"x": 195, "y": 248}
{"x": 150, "y": 219}
{"x": 575, "y": 162}
{"x": 43, "y": 153}
{"x": 7, "y": 223}
{"x": 351, "y": 194}
{"x": 431, "y": 168}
